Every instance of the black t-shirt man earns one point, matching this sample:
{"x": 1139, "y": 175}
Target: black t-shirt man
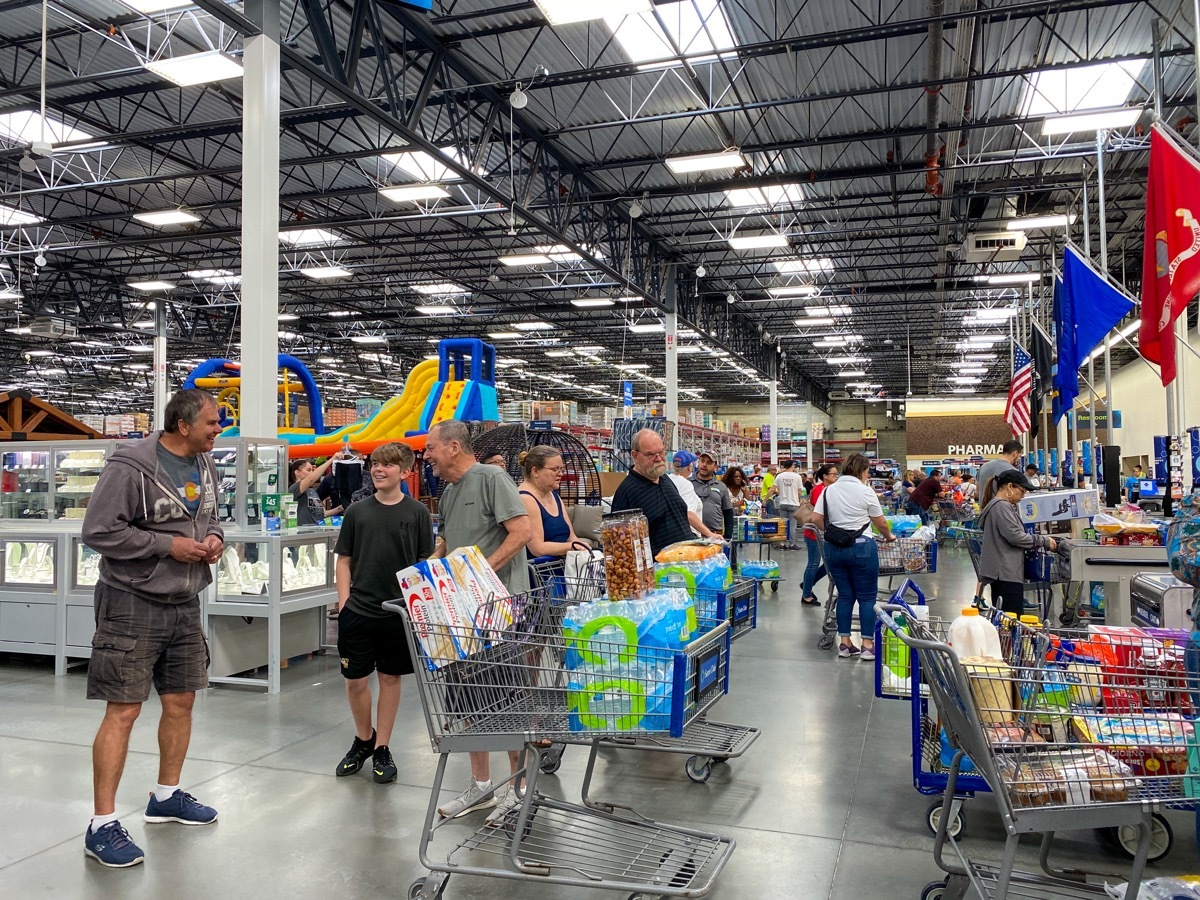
{"x": 380, "y": 541}
{"x": 664, "y": 509}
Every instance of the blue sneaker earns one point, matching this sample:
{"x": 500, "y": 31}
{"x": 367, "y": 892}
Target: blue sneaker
{"x": 111, "y": 845}
{"x": 179, "y": 807}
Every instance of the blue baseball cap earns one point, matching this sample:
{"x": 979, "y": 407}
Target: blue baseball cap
{"x": 683, "y": 458}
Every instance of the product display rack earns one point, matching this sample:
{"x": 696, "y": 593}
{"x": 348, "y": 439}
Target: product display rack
{"x": 729, "y": 448}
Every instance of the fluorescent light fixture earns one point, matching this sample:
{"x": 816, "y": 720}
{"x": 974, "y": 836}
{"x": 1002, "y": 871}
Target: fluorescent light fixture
{"x": 51, "y": 352}
{"x": 1125, "y": 117}
{"x": 309, "y": 237}
{"x": 815, "y": 321}
{"x": 533, "y": 326}
{"x": 845, "y": 360}
{"x": 706, "y": 162}
{"x": 288, "y": 335}
{"x": 647, "y": 328}
{"x": 10, "y": 216}
{"x": 795, "y": 290}
{"x": 765, "y": 197}
{"x": 525, "y": 259}
{"x": 425, "y": 166}
{"x": 152, "y": 285}
{"x": 819, "y": 311}
{"x": 25, "y": 127}
{"x": 563, "y": 253}
{"x": 24, "y": 329}
{"x": 197, "y": 68}
{"x": 288, "y": 317}
{"x": 985, "y": 357}
{"x": 1015, "y": 278}
{"x": 1030, "y": 223}
{"x": 985, "y": 340}
{"x": 689, "y": 349}
{"x": 698, "y": 28}
{"x": 964, "y": 390}
{"x": 592, "y": 302}
{"x": 149, "y": 7}
{"x": 632, "y": 367}
{"x": 563, "y": 12}
{"x": 804, "y": 266}
{"x": 504, "y": 335}
{"x": 369, "y": 339}
{"x": 145, "y": 323}
{"x": 559, "y": 354}
{"x": 321, "y": 273}
{"x": 1096, "y": 86}
{"x": 964, "y": 379}
{"x": 758, "y": 241}
{"x": 414, "y": 193}
{"x": 591, "y": 348}
{"x": 225, "y": 280}
{"x": 994, "y": 314}
{"x": 831, "y": 342}
{"x": 440, "y": 289}
{"x": 851, "y": 373}
{"x": 9, "y": 294}
{"x": 437, "y": 310}
{"x": 205, "y": 274}
{"x": 631, "y": 298}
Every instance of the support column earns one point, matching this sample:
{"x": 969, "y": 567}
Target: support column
{"x": 160, "y": 363}
{"x": 671, "y": 321}
{"x": 774, "y": 418}
{"x": 260, "y": 223}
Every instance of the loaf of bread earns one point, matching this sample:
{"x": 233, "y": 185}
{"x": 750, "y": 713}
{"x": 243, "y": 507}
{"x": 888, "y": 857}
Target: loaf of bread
{"x": 991, "y": 688}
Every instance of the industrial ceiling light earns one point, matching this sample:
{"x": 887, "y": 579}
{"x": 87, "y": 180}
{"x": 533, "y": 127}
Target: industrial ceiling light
{"x": 369, "y": 339}
{"x": 309, "y": 237}
{"x": 1031, "y": 223}
{"x": 706, "y": 162}
{"x": 795, "y": 290}
{"x": 815, "y": 322}
{"x": 852, "y": 373}
{"x": 440, "y": 289}
{"x": 197, "y": 68}
{"x": 564, "y": 12}
{"x": 533, "y": 326}
{"x": 322, "y": 273}
{"x": 1126, "y": 117}
{"x": 518, "y": 99}
{"x": 504, "y": 335}
{"x": 525, "y": 259}
{"x": 592, "y": 302}
{"x": 647, "y": 328}
{"x": 10, "y": 216}
{"x": 152, "y": 285}
{"x": 288, "y": 317}
{"x": 1015, "y": 278}
{"x": 10, "y": 294}
{"x": 758, "y": 241}
{"x": 414, "y": 193}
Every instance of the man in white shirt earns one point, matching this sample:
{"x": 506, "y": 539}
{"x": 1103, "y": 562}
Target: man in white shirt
{"x": 683, "y": 462}
{"x": 786, "y": 490}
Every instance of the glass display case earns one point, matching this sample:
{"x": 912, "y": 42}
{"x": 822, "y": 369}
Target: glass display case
{"x": 24, "y": 483}
{"x": 87, "y": 566}
{"x": 29, "y": 563}
{"x": 247, "y": 468}
{"x": 76, "y": 471}
{"x": 245, "y": 566}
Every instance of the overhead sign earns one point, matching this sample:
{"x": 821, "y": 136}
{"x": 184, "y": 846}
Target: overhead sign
{"x": 627, "y": 394}
{"x": 1083, "y": 418}
{"x": 424, "y": 5}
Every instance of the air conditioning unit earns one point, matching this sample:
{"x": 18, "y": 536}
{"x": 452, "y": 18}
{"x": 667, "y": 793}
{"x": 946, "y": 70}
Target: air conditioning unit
{"x": 839, "y": 395}
{"x": 52, "y": 327}
{"x": 994, "y": 246}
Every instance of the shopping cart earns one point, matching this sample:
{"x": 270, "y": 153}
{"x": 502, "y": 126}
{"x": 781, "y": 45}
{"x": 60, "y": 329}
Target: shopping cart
{"x": 513, "y": 691}
{"x": 1052, "y": 569}
{"x": 1051, "y": 766}
{"x": 753, "y": 538}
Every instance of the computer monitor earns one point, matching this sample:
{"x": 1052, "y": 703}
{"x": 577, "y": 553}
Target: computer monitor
{"x": 1148, "y": 487}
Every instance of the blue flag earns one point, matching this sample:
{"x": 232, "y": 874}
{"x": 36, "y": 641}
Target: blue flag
{"x": 1086, "y": 309}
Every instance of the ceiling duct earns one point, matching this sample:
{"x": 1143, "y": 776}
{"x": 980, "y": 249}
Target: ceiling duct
{"x": 994, "y": 246}
{"x": 52, "y": 327}
{"x": 839, "y": 395}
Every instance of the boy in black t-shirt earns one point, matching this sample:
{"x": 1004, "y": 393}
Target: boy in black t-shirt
{"x": 380, "y": 536}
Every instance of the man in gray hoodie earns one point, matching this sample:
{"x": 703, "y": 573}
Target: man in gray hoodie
{"x": 153, "y": 520}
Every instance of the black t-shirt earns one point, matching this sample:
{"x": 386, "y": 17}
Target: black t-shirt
{"x": 380, "y": 541}
{"x": 664, "y": 509}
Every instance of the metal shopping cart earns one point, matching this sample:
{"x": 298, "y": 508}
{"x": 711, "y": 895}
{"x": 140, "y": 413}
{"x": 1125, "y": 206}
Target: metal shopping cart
{"x": 904, "y": 557}
{"x": 1050, "y": 570}
{"x": 512, "y": 691}
{"x": 704, "y": 741}
{"x": 1051, "y": 766}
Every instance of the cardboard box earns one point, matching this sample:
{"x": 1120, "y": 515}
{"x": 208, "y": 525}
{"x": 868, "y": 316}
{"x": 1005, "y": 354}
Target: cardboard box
{"x": 609, "y": 482}
{"x": 1058, "y": 506}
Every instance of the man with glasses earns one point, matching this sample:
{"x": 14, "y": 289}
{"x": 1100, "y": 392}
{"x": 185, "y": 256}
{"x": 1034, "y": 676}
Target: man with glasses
{"x": 646, "y": 488}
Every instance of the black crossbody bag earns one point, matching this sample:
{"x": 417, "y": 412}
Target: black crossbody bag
{"x": 839, "y": 537}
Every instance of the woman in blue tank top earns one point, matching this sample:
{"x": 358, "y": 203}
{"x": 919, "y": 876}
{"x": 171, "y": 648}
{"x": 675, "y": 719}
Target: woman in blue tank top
{"x": 552, "y": 534}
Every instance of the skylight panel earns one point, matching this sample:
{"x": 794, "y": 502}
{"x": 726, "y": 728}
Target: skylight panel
{"x": 803, "y": 266}
{"x": 309, "y": 237}
{"x": 768, "y": 196}
{"x": 425, "y": 166}
{"x": 10, "y": 216}
{"x": 1088, "y": 87}
{"x": 25, "y": 127}
{"x": 692, "y": 26}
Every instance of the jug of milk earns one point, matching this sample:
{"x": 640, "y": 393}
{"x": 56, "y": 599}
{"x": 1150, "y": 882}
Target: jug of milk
{"x": 972, "y": 635}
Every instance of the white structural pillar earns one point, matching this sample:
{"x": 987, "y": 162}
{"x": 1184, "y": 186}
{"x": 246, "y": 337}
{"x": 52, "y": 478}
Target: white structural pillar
{"x": 260, "y": 223}
{"x": 671, "y": 322}
{"x": 160, "y": 363}
{"x": 774, "y": 420}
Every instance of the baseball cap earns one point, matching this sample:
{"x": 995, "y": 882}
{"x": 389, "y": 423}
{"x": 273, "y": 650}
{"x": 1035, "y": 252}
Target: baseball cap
{"x": 1017, "y": 477}
{"x": 683, "y": 458}
{"x": 709, "y": 454}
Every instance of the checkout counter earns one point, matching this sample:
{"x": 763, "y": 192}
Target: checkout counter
{"x": 1117, "y": 568}
{"x": 1160, "y": 601}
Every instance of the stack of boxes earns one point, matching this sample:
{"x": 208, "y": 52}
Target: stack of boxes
{"x": 339, "y": 416}
{"x": 557, "y": 412}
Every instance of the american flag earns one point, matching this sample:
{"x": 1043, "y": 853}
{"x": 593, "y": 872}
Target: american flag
{"x": 1016, "y": 410}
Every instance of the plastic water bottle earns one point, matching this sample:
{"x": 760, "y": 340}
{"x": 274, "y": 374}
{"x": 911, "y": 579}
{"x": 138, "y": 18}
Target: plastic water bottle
{"x": 971, "y": 635}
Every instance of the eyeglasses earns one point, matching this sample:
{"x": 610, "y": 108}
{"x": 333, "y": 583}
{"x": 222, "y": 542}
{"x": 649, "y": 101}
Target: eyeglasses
{"x": 661, "y": 454}
{"x": 557, "y": 470}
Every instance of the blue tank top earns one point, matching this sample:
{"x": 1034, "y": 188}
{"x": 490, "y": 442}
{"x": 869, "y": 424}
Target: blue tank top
{"x": 555, "y": 528}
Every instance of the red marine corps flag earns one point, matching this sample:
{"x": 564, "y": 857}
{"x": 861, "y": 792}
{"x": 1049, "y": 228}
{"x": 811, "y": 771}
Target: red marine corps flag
{"x": 1171, "y": 252}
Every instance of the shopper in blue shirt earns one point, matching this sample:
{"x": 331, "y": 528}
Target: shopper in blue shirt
{"x": 1133, "y": 485}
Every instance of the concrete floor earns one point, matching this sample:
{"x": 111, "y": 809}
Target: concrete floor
{"x": 821, "y": 807}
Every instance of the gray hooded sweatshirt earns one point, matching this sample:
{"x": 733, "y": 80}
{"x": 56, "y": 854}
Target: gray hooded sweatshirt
{"x": 134, "y": 513}
{"x": 1005, "y": 541}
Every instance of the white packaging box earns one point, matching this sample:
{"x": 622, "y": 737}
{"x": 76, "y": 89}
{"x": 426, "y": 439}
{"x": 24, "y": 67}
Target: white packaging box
{"x": 1057, "y": 506}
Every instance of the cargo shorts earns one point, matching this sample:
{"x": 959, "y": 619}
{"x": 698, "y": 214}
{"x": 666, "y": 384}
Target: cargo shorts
{"x": 138, "y": 641}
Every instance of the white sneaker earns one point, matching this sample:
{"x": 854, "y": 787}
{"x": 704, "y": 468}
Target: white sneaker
{"x": 867, "y": 655}
{"x": 507, "y": 802}
{"x": 470, "y": 800}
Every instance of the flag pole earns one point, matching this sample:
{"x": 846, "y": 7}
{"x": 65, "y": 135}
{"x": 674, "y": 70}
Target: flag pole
{"x": 1091, "y": 378}
{"x": 1101, "y": 140}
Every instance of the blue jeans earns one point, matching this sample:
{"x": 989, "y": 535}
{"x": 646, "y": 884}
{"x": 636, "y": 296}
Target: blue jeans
{"x": 815, "y": 570}
{"x": 912, "y": 509}
{"x": 855, "y": 572}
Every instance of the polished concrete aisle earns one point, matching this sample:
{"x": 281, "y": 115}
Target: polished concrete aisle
{"x": 821, "y": 807}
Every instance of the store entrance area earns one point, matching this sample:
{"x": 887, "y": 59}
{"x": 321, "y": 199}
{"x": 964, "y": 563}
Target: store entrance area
{"x": 821, "y": 806}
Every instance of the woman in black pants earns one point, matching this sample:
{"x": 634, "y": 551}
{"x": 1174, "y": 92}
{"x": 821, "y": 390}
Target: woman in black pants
{"x": 1005, "y": 540}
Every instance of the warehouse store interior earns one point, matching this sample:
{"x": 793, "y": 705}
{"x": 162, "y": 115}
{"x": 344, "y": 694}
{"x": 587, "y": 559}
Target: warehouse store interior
{"x": 776, "y": 234}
